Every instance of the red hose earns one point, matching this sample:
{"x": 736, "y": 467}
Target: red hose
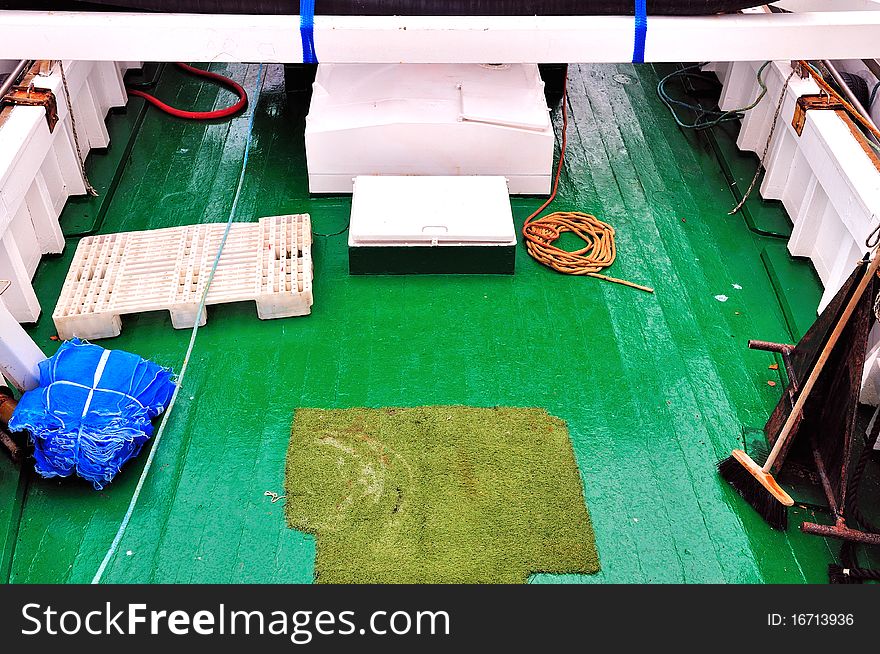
{"x": 200, "y": 115}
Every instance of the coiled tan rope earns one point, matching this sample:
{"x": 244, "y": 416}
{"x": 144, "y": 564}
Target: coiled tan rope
{"x": 598, "y": 253}
{"x": 540, "y": 233}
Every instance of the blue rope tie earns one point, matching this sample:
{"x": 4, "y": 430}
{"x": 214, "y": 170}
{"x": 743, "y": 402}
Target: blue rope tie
{"x": 307, "y": 30}
{"x": 641, "y": 31}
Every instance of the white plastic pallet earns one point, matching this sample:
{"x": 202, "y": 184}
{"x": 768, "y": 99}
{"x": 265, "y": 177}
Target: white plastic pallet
{"x": 269, "y": 262}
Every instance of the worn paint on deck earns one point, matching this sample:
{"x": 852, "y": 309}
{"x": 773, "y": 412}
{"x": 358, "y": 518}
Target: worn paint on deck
{"x": 655, "y": 388}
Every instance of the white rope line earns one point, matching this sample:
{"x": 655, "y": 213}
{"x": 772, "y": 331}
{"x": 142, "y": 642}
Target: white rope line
{"x": 79, "y": 156}
{"x": 192, "y": 341}
{"x": 763, "y": 160}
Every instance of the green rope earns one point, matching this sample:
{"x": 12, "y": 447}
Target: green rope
{"x": 706, "y": 118}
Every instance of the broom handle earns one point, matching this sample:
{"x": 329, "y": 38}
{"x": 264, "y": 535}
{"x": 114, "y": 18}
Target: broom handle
{"x": 823, "y": 358}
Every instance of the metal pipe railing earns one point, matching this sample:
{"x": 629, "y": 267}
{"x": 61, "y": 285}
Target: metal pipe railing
{"x": 13, "y": 77}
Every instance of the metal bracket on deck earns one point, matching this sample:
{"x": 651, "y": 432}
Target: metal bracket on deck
{"x": 7, "y": 407}
{"x": 807, "y": 102}
{"x": 32, "y": 96}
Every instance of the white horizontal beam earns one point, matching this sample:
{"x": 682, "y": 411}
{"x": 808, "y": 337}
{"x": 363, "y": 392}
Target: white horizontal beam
{"x": 433, "y": 39}
{"x": 821, "y": 5}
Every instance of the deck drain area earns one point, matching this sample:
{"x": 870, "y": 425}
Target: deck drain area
{"x": 269, "y": 262}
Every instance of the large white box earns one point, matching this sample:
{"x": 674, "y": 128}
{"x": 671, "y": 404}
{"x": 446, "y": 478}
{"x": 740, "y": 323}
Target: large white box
{"x": 429, "y": 119}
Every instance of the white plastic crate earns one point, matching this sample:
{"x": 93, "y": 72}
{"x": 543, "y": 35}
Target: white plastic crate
{"x": 39, "y": 170}
{"x": 429, "y": 119}
{"x": 269, "y": 262}
{"x": 828, "y": 184}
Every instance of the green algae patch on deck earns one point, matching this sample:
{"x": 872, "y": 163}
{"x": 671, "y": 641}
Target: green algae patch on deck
{"x": 440, "y": 494}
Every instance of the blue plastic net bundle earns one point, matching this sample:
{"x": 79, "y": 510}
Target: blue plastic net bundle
{"x": 92, "y": 411}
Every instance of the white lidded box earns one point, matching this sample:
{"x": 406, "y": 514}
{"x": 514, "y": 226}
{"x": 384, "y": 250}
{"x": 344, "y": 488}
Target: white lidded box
{"x": 436, "y": 224}
{"x": 429, "y": 119}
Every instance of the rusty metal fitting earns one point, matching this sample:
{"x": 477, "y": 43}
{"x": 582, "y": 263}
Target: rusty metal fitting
{"x": 806, "y": 103}
{"x": 7, "y": 407}
{"x": 767, "y": 346}
{"x": 11, "y": 446}
{"x": 31, "y": 96}
{"x": 841, "y": 532}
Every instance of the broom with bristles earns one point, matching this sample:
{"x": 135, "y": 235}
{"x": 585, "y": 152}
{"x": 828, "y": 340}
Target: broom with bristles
{"x": 753, "y": 481}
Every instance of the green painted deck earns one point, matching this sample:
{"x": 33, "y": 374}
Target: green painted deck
{"x": 654, "y": 388}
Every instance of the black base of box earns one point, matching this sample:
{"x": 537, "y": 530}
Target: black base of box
{"x": 432, "y": 260}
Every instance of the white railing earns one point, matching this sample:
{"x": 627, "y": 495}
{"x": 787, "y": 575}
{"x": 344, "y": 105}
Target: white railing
{"x": 19, "y": 355}
{"x": 825, "y": 178}
{"x": 39, "y": 170}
